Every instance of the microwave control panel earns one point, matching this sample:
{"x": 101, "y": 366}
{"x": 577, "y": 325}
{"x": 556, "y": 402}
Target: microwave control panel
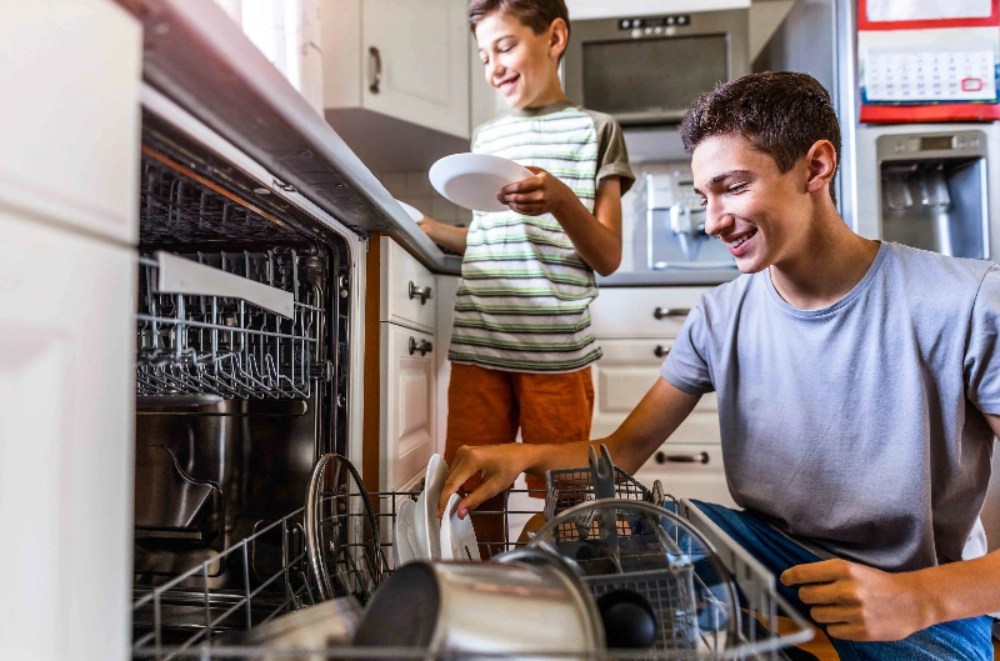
{"x": 654, "y": 22}
{"x": 655, "y": 26}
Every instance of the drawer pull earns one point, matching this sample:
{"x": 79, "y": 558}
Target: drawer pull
{"x": 376, "y": 59}
{"x": 423, "y": 346}
{"x": 424, "y": 293}
{"x": 663, "y": 313}
{"x": 696, "y": 458}
{"x": 661, "y": 351}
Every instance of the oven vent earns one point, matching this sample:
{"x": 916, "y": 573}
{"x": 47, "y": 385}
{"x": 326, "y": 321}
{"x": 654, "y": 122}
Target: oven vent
{"x": 228, "y": 324}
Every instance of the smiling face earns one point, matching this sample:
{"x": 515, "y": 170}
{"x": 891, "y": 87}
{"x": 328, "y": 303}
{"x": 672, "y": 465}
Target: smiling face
{"x": 521, "y": 64}
{"x": 762, "y": 214}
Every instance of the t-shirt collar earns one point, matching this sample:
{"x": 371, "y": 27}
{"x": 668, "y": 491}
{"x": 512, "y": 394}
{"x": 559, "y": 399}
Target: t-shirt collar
{"x": 542, "y": 110}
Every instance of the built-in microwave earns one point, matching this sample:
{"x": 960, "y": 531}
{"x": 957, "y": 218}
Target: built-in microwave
{"x": 647, "y": 70}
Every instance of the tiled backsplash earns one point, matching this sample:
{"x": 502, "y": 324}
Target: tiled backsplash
{"x": 415, "y": 189}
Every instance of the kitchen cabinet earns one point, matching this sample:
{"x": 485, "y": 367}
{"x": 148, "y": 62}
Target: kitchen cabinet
{"x": 67, "y": 338}
{"x": 407, "y": 373}
{"x": 636, "y": 327}
{"x": 407, "y": 59}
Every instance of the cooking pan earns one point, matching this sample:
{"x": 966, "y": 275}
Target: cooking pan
{"x": 525, "y": 606}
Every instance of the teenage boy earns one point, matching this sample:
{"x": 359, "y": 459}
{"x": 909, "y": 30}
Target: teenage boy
{"x": 522, "y": 345}
{"x": 858, "y": 385}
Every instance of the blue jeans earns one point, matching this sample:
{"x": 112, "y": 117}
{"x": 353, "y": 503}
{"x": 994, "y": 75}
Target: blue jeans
{"x": 967, "y": 639}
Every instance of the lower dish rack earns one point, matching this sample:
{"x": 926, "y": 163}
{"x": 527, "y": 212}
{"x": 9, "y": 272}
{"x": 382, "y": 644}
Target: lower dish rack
{"x": 185, "y": 620}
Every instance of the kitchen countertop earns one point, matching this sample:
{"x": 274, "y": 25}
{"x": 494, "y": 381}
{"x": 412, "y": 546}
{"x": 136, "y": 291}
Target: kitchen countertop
{"x": 687, "y": 277}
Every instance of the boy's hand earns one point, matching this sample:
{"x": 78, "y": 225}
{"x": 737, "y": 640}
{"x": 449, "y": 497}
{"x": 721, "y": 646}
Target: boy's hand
{"x": 538, "y": 194}
{"x": 497, "y": 466}
{"x": 857, "y": 602}
{"x": 428, "y": 225}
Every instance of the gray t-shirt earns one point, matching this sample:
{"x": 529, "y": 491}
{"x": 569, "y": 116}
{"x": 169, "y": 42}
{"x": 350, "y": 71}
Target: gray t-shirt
{"x": 857, "y": 427}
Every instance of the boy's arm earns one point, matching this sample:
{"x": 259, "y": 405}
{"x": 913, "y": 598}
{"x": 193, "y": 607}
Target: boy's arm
{"x": 597, "y": 237}
{"x": 862, "y": 603}
{"x": 451, "y": 237}
{"x": 659, "y": 413}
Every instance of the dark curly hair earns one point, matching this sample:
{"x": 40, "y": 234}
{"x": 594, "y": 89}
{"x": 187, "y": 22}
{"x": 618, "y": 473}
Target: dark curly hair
{"x": 781, "y": 113}
{"x": 536, "y": 14}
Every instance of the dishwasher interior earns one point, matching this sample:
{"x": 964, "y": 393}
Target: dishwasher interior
{"x": 241, "y": 384}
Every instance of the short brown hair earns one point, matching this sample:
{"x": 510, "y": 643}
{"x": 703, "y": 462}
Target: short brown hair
{"x": 536, "y": 14}
{"x": 781, "y": 113}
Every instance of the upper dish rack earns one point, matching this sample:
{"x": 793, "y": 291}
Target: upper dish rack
{"x": 228, "y": 324}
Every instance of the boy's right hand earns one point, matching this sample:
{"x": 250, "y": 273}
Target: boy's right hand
{"x": 427, "y": 225}
{"x": 497, "y": 467}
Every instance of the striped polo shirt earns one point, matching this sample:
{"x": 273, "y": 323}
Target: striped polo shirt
{"x": 523, "y": 301}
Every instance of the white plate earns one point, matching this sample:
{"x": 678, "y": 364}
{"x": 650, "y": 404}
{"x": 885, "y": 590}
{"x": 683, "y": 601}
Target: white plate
{"x": 458, "y": 537}
{"x": 404, "y": 533}
{"x": 426, "y": 523}
{"x": 411, "y": 211}
{"x": 473, "y": 180}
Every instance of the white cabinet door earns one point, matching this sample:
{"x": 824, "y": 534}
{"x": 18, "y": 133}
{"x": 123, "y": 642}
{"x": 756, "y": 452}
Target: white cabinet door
{"x": 624, "y": 375}
{"x": 408, "y": 407}
{"x": 636, "y": 328}
{"x": 407, "y": 59}
{"x": 416, "y": 62}
{"x": 70, "y": 74}
{"x": 69, "y": 128}
{"x": 67, "y": 391}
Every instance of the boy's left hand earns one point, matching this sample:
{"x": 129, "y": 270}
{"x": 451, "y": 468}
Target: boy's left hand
{"x": 535, "y": 195}
{"x": 857, "y": 602}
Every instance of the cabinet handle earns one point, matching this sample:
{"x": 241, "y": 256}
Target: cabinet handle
{"x": 376, "y": 58}
{"x": 663, "y": 313}
{"x": 423, "y": 346}
{"x": 424, "y": 293}
{"x": 696, "y": 458}
{"x": 660, "y": 351}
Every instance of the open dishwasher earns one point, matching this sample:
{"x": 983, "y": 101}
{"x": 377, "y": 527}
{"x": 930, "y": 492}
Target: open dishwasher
{"x": 705, "y": 596}
{"x": 242, "y": 379}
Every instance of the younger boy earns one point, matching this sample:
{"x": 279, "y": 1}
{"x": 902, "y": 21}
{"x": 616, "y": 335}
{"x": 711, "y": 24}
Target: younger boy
{"x": 521, "y": 346}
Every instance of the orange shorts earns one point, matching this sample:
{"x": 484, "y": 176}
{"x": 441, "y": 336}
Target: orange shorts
{"x": 487, "y": 407}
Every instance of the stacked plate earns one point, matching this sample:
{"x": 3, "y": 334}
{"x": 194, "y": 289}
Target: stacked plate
{"x": 420, "y": 535}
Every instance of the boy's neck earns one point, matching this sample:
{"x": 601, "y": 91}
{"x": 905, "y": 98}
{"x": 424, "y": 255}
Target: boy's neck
{"x": 835, "y": 262}
{"x": 542, "y": 108}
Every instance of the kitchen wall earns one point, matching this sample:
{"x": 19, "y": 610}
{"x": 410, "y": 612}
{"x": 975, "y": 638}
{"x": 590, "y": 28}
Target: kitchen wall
{"x": 414, "y": 188}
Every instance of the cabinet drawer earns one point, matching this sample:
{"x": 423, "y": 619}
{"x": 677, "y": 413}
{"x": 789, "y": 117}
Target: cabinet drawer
{"x": 622, "y": 377}
{"x": 408, "y": 420}
{"x": 642, "y": 311}
{"x": 701, "y": 477}
{"x": 409, "y": 289}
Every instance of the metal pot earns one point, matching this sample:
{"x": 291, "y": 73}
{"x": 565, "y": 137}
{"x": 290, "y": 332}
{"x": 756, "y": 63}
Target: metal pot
{"x": 527, "y": 605}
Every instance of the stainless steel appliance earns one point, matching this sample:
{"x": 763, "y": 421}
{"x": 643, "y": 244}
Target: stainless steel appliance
{"x": 646, "y": 70}
{"x": 933, "y": 186}
{"x": 933, "y": 191}
{"x": 673, "y": 236}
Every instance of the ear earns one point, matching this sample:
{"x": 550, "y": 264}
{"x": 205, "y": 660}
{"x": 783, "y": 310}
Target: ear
{"x": 558, "y": 38}
{"x": 821, "y": 161}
